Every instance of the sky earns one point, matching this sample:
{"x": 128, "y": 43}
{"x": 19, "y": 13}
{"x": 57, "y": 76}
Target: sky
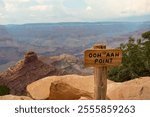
{"x": 51, "y": 11}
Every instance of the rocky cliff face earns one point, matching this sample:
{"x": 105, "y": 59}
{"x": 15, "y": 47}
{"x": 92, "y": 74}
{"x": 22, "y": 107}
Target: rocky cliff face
{"x": 25, "y": 72}
{"x": 32, "y": 68}
{"x": 67, "y": 64}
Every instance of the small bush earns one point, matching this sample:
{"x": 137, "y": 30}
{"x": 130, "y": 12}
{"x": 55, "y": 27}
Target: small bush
{"x": 135, "y": 60}
{"x": 4, "y": 90}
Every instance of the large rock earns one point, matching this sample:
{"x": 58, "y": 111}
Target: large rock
{"x": 82, "y": 87}
{"x": 48, "y": 86}
{"x": 137, "y": 89}
{"x": 63, "y": 91}
{"x": 40, "y": 89}
{"x": 84, "y": 98}
{"x": 14, "y": 97}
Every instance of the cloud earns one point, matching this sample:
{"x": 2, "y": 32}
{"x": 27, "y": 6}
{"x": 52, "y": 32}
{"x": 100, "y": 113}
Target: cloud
{"x": 1, "y": 2}
{"x": 74, "y": 4}
{"x": 40, "y": 7}
{"x": 1, "y": 16}
{"x": 25, "y": 0}
{"x": 1, "y": 5}
{"x": 10, "y": 7}
{"x": 22, "y": 11}
{"x": 89, "y": 8}
{"x": 118, "y": 8}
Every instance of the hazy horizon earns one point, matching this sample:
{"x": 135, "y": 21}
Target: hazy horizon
{"x": 81, "y": 22}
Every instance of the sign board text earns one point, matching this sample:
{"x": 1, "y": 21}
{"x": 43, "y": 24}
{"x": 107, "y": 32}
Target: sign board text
{"x": 102, "y": 57}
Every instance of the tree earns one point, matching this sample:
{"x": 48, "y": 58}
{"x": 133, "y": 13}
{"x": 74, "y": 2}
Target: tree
{"x": 135, "y": 61}
{"x": 4, "y": 90}
{"x": 146, "y": 48}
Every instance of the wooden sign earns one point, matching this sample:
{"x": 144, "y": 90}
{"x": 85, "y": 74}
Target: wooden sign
{"x": 102, "y": 57}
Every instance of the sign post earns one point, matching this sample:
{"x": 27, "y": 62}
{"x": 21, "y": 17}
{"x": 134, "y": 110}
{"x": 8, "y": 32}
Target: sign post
{"x": 100, "y": 57}
{"x": 100, "y": 79}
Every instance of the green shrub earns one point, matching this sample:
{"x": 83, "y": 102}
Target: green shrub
{"x": 4, "y": 90}
{"x": 135, "y": 60}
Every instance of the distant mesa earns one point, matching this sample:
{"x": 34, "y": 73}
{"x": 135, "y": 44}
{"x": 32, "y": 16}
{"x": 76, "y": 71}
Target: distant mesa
{"x": 67, "y": 64}
{"x": 55, "y": 39}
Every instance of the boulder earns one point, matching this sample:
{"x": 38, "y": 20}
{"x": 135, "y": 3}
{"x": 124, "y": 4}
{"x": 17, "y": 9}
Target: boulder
{"x": 137, "y": 89}
{"x": 82, "y": 87}
{"x": 63, "y": 91}
{"x": 49, "y": 87}
{"x": 14, "y": 97}
{"x": 40, "y": 90}
{"x": 85, "y": 98}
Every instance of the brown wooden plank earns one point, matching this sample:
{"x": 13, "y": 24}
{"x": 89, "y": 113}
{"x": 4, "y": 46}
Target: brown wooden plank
{"x": 100, "y": 83}
{"x": 102, "y": 57}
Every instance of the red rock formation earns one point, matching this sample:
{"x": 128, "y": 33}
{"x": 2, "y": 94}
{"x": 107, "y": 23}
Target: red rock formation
{"x": 25, "y": 72}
